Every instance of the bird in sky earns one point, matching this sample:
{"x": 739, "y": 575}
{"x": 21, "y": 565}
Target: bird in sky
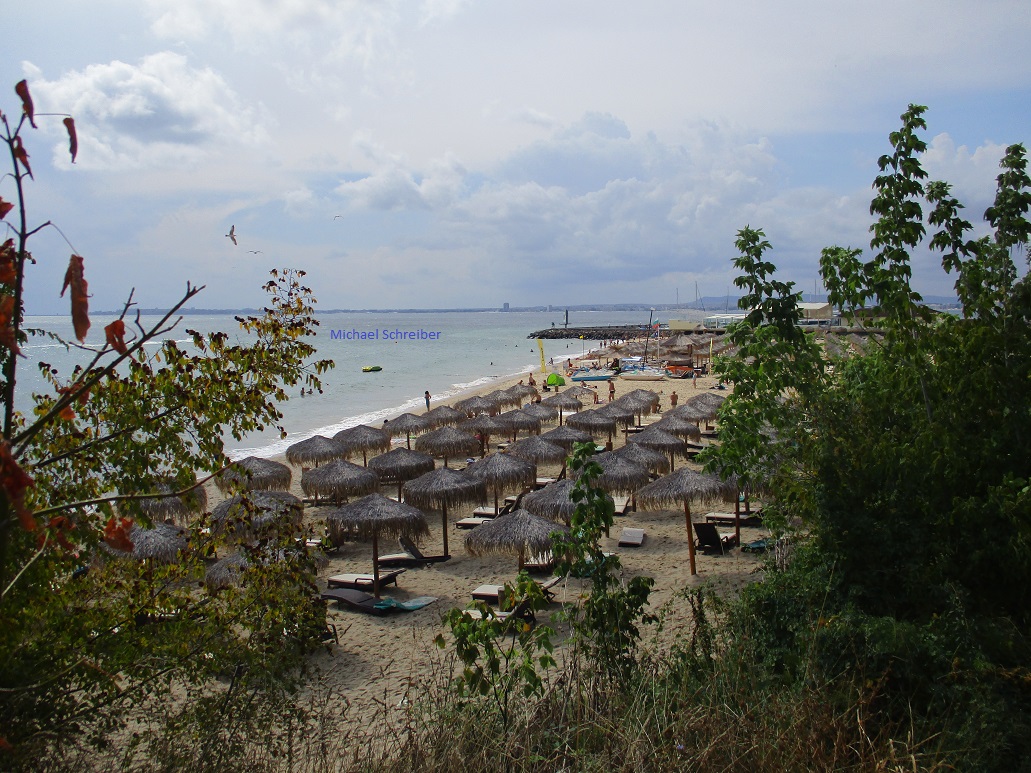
{"x": 232, "y": 234}
{"x": 337, "y": 217}
{"x": 254, "y": 252}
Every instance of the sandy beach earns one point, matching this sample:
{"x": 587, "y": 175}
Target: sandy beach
{"x": 380, "y": 659}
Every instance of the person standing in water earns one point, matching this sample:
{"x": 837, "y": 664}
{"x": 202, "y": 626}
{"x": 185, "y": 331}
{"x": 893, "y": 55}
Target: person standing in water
{"x": 427, "y": 399}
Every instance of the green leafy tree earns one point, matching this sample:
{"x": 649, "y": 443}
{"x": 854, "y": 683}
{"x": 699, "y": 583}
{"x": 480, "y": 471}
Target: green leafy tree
{"x": 89, "y": 637}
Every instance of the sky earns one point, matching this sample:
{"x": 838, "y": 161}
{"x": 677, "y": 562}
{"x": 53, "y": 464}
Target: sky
{"x": 469, "y": 153}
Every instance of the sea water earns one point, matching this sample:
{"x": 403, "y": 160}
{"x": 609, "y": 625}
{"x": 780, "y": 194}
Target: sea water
{"x": 444, "y": 353}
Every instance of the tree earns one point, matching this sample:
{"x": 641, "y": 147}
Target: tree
{"x": 903, "y": 460}
{"x": 89, "y": 638}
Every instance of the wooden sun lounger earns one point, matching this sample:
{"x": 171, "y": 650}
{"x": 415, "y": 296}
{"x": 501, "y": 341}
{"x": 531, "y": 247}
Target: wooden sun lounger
{"x": 363, "y": 581}
{"x": 710, "y": 537}
{"x": 411, "y": 557}
{"x": 489, "y": 593}
{"x": 622, "y": 505}
{"x": 472, "y": 523}
{"x": 728, "y": 519}
{"x": 360, "y": 601}
{"x": 542, "y": 482}
{"x": 631, "y": 538}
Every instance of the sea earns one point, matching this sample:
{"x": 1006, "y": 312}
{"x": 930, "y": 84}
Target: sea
{"x": 445, "y": 353}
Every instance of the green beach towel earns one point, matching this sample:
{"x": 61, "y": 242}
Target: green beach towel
{"x": 407, "y": 606}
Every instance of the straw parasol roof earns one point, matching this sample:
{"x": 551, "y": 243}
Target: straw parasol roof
{"x": 552, "y": 501}
{"x": 339, "y": 480}
{"x": 683, "y": 487}
{"x": 447, "y": 442}
{"x": 566, "y": 437}
{"x": 623, "y": 415}
{"x": 502, "y": 472}
{"x": 619, "y": 474}
{"x": 564, "y": 403}
{"x": 400, "y": 465}
{"x": 503, "y": 397}
{"x": 655, "y": 461}
{"x": 519, "y": 420}
{"x": 407, "y": 424}
{"x": 248, "y": 514}
{"x": 678, "y": 426}
{"x": 255, "y": 474}
{"x": 542, "y": 412}
{"x": 485, "y": 426}
{"x": 477, "y": 404}
{"x": 692, "y": 412}
{"x": 176, "y": 508}
{"x": 660, "y": 440}
{"x": 226, "y": 571}
{"x": 638, "y": 405}
{"x": 444, "y": 488}
{"x": 315, "y": 450}
{"x": 643, "y": 394}
{"x": 709, "y": 399}
{"x": 444, "y": 416}
{"x": 536, "y": 449}
{"x": 522, "y": 390}
{"x": 579, "y": 391}
{"x": 594, "y": 422}
{"x": 162, "y": 543}
{"x": 519, "y": 532}
{"x": 377, "y": 516}
{"x": 363, "y": 438}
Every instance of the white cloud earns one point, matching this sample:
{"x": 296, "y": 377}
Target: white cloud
{"x": 159, "y": 113}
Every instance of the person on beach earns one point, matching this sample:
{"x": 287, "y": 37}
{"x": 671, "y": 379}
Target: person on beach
{"x": 531, "y": 382}
{"x": 612, "y": 390}
{"x": 427, "y": 399}
{"x": 597, "y": 399}
{"x": 673, "y": 398}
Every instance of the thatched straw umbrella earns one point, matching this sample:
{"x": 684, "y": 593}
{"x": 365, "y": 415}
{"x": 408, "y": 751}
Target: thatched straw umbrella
{"x": 623, "y": 415}
{"x": 226, "y": 571}
{"x": 365, "y": 439}
{"x": 443, "y": 416}
{"x": 176, "y": 508}
{"x": 477, "y": 404}
{"x": 709, "y": 401}
{"x": 696, "y": 412}
{"x": 566, "y": 437}
{"x": 684, "y": 486}
{"x": 517, "y": 532}
{"x": 662, "y": 441}
{"x": 248, "y": 515}
{"x": 400, "y": 465}
{"x": 579, "y": 391}
{"x": 518, "y": 420}
{"x": 678, "y": 426}
{"x": 619, "y": 475}
{"x": 161, "y": 544}
{"x": 377, "y": 516}
{"x": 502, "y": 472}
{"x": 315, "y": 450}
{"x": 553, "y": 501}
{"x": 522, "y": 391}
{"x": 503, "y": 397}
{"x": 655, "y": 461}
{"x": 339, "y": 480}
{"x": 406, "y": 424}
{"x": 447, "y": 442}
{"x": 542, "y": 412}
{"x": 643, "y": 394}
{"x": 254, "y": 474}
{"x": 537, "y": 450}
{"x": 594, "y": 422}
{"x": 638, "y": 405}
{"x": 563, "y": 403}
{"x": 486, "y": 427}
{"x": 444, "y": 488}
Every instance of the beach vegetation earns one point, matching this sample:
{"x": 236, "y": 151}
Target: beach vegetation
{"x": 101, "y": 647}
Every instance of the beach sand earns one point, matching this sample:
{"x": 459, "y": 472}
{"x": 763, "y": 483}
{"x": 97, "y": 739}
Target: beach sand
{"x": 379, "y": 660}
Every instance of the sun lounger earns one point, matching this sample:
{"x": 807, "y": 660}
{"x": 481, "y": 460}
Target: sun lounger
{"x": 360, "y": 601}
{"x": 710, "y": 537}
{"x": 631, "y": 538}
{"x": 523, "y": 611}
{"x": 542, "y": 482}
{"x": 490, "y": 593}
{"x": 728, "y": 519}
{"x": 539, "y": 564}
{"x": 363, "y": 581}
{"x": 473, "y": 522}
{"x": 411, "y": 557}
{"x": 622, "y": 505}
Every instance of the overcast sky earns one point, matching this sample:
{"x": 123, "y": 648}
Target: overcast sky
{"x": 471, "y": 152}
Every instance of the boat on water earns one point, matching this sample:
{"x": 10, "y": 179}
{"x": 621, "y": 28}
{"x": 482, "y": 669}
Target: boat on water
{"x": 372, "y": 369}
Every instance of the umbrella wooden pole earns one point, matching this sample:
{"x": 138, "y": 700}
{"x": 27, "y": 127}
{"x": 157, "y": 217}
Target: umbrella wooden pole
{"x": 443, "y": 509}
{"x": 671, "y": 467}
{"x": 690, "y": 537}
{"x": 399, "y": 485}
{"x": 737, "y": 518}
{"x": 375, "y": 564}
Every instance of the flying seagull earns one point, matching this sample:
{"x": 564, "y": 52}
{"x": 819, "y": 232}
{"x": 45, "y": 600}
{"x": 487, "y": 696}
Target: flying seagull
{"x": 232, "y": 234}
{"x": 254, "y": 252}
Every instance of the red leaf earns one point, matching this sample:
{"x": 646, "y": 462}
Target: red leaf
{"x": 116, "y": 533}
{"x": 74, "y": 278}
{"x": 7, "y": 337}
{"x": 73, "y": 139}
{"x": 7, "y": 271}
{"x": 5, "y": 207}
{"x": 22, "y": 155}
{"x": 14, "y": 482}
{"x": 22, "y": 90}
{"x": 59, "y": 525}
{"x": 67, "y": 390}
{"x": 66, "y": 413}
{"x": 115, "y": 333}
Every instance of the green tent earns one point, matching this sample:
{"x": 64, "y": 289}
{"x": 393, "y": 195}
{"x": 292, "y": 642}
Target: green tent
{"x": 554, "y": 379}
